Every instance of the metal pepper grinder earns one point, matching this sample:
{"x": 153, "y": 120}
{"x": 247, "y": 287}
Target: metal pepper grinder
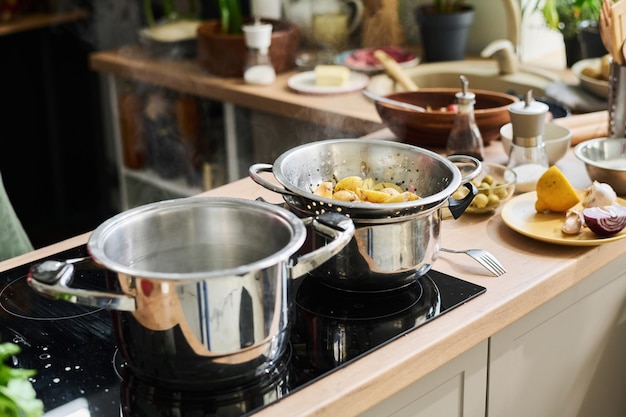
{"x": 527, "y": 157}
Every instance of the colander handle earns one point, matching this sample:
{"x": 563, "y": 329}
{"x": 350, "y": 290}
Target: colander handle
{"x": 457, "y": 207}
{"x": 467, "y": 160}
{"x": 254, "y": 171}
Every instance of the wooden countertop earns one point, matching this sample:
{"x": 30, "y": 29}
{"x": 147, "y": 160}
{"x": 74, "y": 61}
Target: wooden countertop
{"x": 537, "y": 272}
{"x": 349, "y": 112}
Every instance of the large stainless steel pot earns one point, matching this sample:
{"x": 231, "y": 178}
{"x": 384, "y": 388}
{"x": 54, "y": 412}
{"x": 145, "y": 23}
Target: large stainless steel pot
{"x": 198, "y": 285}
{"x": 393, "y": 244}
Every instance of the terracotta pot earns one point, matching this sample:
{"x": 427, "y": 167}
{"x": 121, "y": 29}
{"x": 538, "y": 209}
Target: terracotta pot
{"x": 225, "y": 54}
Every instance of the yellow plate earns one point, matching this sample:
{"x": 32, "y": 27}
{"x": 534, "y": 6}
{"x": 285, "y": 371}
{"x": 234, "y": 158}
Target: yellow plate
{"x": 520, "y": 215}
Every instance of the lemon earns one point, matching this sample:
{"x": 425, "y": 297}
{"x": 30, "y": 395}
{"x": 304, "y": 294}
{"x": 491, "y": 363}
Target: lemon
{"x": 555, "y": 192}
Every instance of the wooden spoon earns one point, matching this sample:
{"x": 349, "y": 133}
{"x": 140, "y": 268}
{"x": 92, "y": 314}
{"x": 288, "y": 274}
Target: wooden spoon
{"x": 395, "y": 71}
{"x": 618, "y": 25}
{"x": 606, "y": 32}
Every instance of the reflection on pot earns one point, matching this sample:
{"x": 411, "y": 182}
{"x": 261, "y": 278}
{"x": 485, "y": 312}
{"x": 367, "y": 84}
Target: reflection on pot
{"x": 334, "y": 326}
{"x": 139, "y": 399}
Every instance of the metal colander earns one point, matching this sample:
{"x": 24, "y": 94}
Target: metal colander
{"x": 300, "y": 170}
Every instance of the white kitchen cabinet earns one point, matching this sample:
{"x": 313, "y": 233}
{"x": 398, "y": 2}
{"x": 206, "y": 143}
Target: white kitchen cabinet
{"x": 459, "y": 388}
{"x": 568, "y": 357}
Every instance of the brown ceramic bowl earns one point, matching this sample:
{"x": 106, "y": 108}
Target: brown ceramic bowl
{"x": 430, "y": 129}
{"x": 225, "y": 54}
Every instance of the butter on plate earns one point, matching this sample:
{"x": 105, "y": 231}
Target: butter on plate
{"x": 331, "y": 75}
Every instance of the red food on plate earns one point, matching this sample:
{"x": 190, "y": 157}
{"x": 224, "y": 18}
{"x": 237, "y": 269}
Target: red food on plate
{"x": 364, "y": 58}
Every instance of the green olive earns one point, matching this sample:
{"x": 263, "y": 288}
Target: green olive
{"x": 494, "y": 200}
{"x": 460, "y": 193}
{"x": 502, "y": 193}
{"x": 480, "y": 201}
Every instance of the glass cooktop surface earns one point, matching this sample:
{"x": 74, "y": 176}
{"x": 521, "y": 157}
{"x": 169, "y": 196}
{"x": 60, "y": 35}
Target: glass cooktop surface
{"x": 80, "y": 371}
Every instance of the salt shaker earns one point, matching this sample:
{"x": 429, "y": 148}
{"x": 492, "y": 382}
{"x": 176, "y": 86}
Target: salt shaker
{"x": 465, "y": 137}
{"x": 527, "y": 156}
{"x": 259, "y": 68}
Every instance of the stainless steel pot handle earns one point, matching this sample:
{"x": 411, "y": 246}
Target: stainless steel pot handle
{"x": 254, "y": 171}
{"x": 334, "y": 225}
{"x": 53, "y": 278}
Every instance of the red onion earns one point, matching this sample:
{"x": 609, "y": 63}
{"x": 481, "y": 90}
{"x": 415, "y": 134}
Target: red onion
{"x": 605, "y": 221}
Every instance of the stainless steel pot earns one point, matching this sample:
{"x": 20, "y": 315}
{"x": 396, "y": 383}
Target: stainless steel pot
{"x": 393, "y": 244}
{"x": 200, "y": 285}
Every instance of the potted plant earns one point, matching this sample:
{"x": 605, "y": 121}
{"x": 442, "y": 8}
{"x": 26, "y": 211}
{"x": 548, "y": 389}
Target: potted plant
{"x": 576, "y": 20}
{"x": 222, "y": 48}
{"x": 230, "y": 16}
{"x": 444, "y": 28}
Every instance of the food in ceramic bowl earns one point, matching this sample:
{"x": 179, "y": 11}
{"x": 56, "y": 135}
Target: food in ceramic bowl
{"x": 605, "y": 161}
{"x": 557, "y": 140}
{"x": 430, "y": 129}
{"x": 495, "y": 183}
{"x": 593, "y": 74}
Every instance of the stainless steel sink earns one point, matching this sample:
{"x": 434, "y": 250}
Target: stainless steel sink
{"x": 481, "y": 74}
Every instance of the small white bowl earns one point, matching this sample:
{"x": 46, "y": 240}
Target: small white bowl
{"x": 557, "y": 140}
{"x": 597, "y": 87}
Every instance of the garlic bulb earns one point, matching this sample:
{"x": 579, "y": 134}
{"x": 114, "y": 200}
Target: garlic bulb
{"x": 574, "y": 222}
{"x": 599, "y": 194}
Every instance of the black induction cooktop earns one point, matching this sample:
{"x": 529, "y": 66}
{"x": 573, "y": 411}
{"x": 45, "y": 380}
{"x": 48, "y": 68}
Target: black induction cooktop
{"x": 80, "y": 372}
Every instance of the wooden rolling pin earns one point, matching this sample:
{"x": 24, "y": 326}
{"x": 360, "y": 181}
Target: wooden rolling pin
{"x": 586, "y": 125}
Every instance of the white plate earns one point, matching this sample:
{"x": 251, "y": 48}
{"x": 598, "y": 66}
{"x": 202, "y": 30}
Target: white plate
{"x": 304, "y": 82}
{"x": 597, "y": 87}
{"x": 520, "y": 215}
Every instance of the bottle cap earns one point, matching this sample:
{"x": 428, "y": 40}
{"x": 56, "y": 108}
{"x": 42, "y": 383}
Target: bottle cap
{"x": 528, "y": 119}
{"x": 465, "y": 96}
{"x": 258, "y": 35}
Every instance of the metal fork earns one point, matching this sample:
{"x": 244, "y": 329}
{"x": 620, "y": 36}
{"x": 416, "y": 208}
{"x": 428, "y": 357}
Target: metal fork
{"x": 484, "y": 258}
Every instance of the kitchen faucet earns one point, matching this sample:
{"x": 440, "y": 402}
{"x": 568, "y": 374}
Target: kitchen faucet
{"x": 513, "y": 18}
{"x": 504, "y": 53}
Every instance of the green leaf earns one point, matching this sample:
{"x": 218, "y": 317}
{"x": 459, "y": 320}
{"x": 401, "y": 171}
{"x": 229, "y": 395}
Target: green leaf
{"x": 21, "y": 392}
{"x": 17, "y": 395}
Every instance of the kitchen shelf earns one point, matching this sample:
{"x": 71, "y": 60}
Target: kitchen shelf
{"x": 177, "y": 186}
{"x": 257, "y": 122}
{"x": 146, "y": 116}
{"x": 41, "y": 20}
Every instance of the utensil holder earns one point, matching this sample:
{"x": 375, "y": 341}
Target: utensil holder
{"x": 617, "y": 101}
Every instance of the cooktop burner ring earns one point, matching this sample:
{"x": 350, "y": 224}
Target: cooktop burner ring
{"x": 55, "y": 309}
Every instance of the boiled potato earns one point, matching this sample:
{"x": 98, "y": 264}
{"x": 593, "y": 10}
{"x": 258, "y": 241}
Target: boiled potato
{"x": 325, "y": 190}
{"x": 349, "y": 183}
{"x": 346, "y": 195}
{"x": 372, "y": 196}
{"x": 356, "y": 189}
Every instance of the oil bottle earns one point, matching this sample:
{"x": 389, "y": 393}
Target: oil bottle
{"x": 465, "y": 137}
